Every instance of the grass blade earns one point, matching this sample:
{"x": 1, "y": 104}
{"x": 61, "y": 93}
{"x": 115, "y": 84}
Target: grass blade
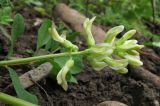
{"x": 21, "y": 92}
{"x": 17, "y": 30}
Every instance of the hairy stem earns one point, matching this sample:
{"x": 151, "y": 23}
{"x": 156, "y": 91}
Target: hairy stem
{"x": 14, "y": 101}
{"x": 39, "y": 58}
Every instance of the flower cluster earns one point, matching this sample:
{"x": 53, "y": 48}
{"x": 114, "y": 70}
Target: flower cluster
{"x": 114, "y": 53}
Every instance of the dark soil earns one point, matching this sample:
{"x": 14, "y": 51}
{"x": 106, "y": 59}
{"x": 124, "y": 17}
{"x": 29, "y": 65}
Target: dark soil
{"x": 93, "y": 87}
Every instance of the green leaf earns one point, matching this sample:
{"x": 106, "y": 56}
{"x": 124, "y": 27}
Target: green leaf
{"x": 43, "y": 35}
{"x": 5, "y": 15}
{"x": 71, "y": 78}
{"x": 77, "y": 63}
{"x": 41, "y": 10}
{"x": 17, "y": 30}
{"x": 56, "y": 68}
{"x": 21, "y": 92}
{"x": 72, "y": 35}
{"x": 34, "y": 2}
{"x": 52, "y": 45}
{"x": 156, "y": 44}
{"x": 17, "y": 27}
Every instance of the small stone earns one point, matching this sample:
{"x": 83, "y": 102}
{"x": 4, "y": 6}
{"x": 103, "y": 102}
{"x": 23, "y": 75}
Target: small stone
{"x": 111, "y": 103}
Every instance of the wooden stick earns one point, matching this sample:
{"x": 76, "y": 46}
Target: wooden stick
{"x": 29, "y": 78}
{"x": 144, "y": 74}
{"x": 35, "y": 75}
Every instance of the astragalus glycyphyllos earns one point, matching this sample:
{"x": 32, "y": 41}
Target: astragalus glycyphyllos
{"x": 113, "y": 52}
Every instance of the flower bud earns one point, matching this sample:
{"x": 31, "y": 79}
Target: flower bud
{"x": 101, "y": 49}
{"x": 122, "y": 71}
{"x": 130, "y": 44}
{"x": 61, "y": 39}
{"x": 125, "y": 37}
{"x": 98, "y": 65}
{"x": 116, "y": 64}
{"x": 133, "y": 52}
{"x": 133, "y": 60}
{"x": 55, "y": 34}
{"x": 87, "y": 25}
{"x": 61, "y": 76}
{"x": 112, "y": 33}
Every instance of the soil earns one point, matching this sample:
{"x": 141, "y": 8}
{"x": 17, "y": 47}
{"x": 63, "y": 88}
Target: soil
{"x": 93, "y": 87}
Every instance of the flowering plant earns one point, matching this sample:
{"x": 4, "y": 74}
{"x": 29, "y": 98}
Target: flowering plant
{"x": 114, "y": 53}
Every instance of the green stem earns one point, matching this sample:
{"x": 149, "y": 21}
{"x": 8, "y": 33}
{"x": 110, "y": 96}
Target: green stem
{"x": 14, "y": 101}
{"x": 39, "y": 58}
